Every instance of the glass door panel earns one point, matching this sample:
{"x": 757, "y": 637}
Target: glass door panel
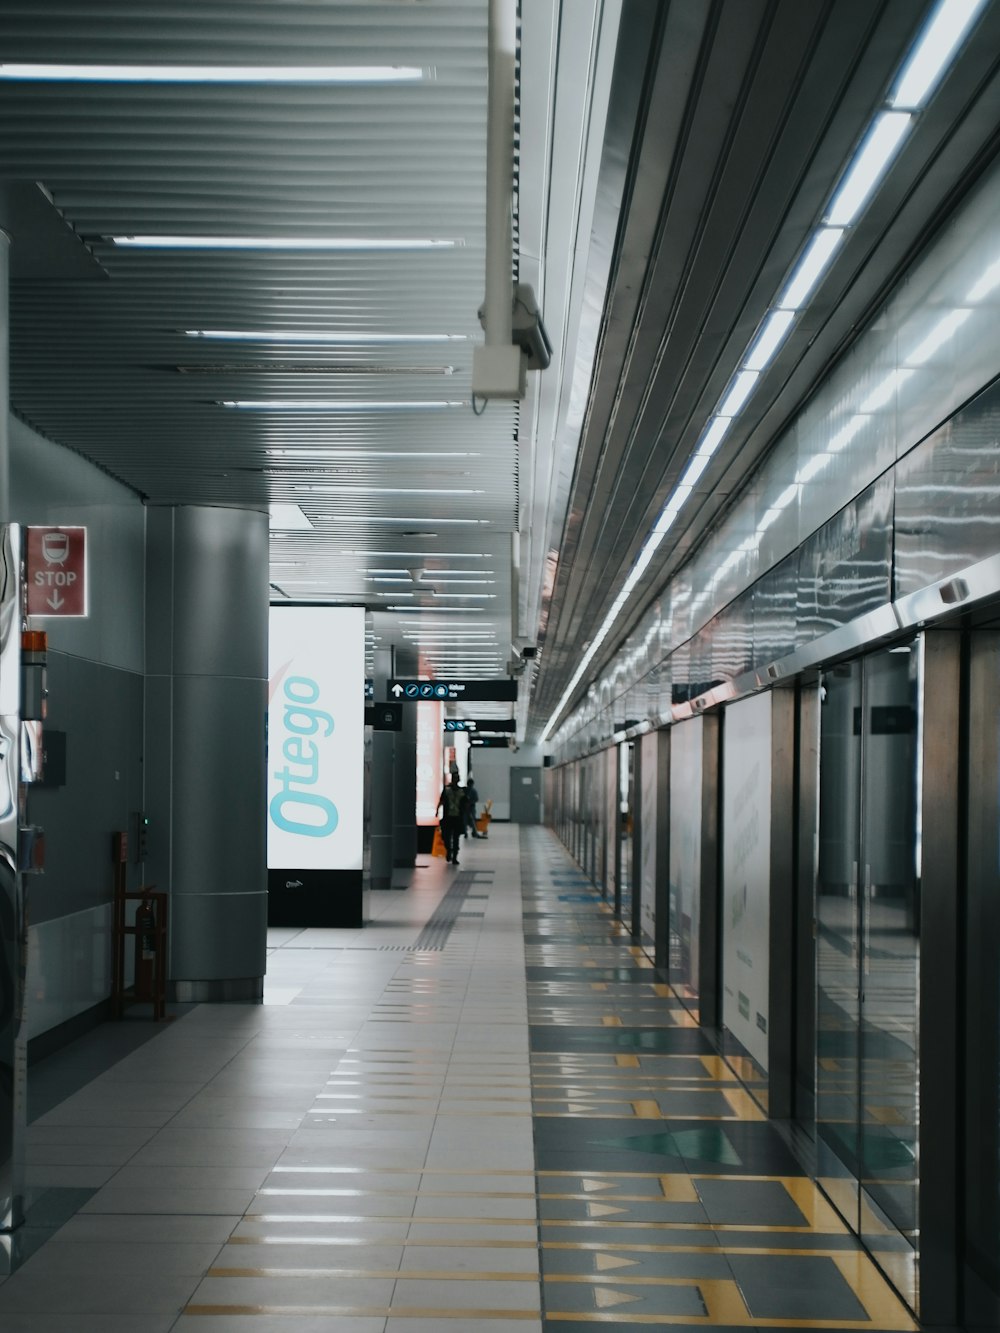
{"x": 838, "y": 960}
{"x": 867, "y": 954}
{"x": 890, "y": 960}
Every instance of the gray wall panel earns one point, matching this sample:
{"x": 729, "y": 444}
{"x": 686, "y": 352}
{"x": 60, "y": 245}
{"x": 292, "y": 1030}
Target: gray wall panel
{"x": 100, "y": 710}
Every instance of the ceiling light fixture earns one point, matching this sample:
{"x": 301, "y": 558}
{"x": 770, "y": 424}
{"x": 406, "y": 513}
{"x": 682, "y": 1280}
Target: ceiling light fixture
{"x": 338, "y": 338}
{"x": 341, "y": 243}
{"x": 934, "y": 49}
{"x": 321, "y": 453}
{"x": 869, "y": 165}
{"x": 810, "y": 268}
{"x": 113, "y": 73}
{"x": 375, "y": 518}
{"x": 334, "y": 405}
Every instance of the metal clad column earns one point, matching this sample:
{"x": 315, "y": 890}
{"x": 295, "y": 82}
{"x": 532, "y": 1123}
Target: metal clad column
{"x": 383, "y": 805}
{"x": 206, "y": 701}
{"x": 404, "y": 772}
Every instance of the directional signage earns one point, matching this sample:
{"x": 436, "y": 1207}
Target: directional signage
{"x": 489, "y": 742}
{"x": 384, "y": 717}
{"x": 471, "y": 690}
{"x": 480, "y": 724}
{"x": 57, "y": 571}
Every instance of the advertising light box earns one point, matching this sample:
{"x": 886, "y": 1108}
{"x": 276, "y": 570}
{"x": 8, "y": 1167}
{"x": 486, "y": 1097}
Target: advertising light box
{"x": 315, "y": 748}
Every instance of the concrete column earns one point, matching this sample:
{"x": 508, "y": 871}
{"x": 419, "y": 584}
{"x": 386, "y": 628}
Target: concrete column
{"x": 404, "y": 771}
{"x": 206, "y": 701}
{"x": 382, "y": 825}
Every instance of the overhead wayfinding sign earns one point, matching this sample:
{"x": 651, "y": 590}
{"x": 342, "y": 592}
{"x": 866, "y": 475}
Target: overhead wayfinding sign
{"x": 479, "y": 724}
{"x": 490, "y": 742}
{"x": 475, "y": 691}
{"x": 57, "y": 571}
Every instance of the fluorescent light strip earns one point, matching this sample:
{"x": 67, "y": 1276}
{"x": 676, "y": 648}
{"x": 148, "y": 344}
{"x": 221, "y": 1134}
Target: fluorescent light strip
{"x": 333, "y": 405}
{"x": 57, "y": 72}
{"x": 323, "y": 336}
{"x": 774, "y": 332}
{"x": 869, "y": 165}
{"x": 468, "y": 596}
{"x": 418, "y": 555}
{"x": 374, "y": 518}
{"x": 334, "y": 456}
{"x": 437, "y": 610}
{"x": 391, "y": 490}
{"x": 935, "y": 48}
{"x": 810, "y": 268}
{"x": 342, "y": 243}
{"x": 742, "y": 387}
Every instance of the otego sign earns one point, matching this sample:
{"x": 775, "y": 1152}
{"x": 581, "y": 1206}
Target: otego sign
{"x": 57, "y": 571}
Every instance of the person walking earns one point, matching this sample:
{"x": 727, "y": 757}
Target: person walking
{"x": 451, "y": 807}
{"x": 471, "y": 797}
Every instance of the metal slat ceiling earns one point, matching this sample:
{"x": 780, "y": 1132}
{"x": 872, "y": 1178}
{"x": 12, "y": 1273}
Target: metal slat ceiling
{"x": 105, "y": 367}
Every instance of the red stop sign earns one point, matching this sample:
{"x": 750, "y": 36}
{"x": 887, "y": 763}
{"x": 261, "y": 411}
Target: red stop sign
{"x": 57, "y": 571}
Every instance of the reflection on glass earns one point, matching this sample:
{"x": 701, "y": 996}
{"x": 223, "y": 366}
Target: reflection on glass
{"x": 686, "y": 772}
{"x": 625, "y": 796}
{"x": 868, "y": 954}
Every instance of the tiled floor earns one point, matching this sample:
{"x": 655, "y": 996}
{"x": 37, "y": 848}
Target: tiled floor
{"x": 483, "y": 1111}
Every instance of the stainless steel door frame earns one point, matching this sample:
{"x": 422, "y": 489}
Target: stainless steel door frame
{"x": 981, "y": 1037}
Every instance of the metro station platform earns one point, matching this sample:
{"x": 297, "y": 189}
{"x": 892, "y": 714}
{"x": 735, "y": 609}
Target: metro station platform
{"x": 482, "y": 1112}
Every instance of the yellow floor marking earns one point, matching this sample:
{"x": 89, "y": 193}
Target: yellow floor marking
{"x": 666, "y": 992}
{"x": 884, "y": 1308}
{"x": 829, "y": 1064}
{"x": 680, "y": 1018}
{"x": 742, "y": 1104}
{"x": 611, "y": 1021}
{"x": 814, "y": 1206}
{"x": 723, "y": 1301}
{"x": 647, "y": 1109}
{"x": 717, "y": 1068}
{"x": 598, "y": 985}
{"x": 679, "y": 1189}
{"x": 604, "y": 1210}
{"x": 591, "y": 1185}
{"x": 606, "y": 1299}
{"x": 605, "y": 1262}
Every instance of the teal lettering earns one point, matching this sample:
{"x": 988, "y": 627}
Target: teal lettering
{"x": 320, "y": 808}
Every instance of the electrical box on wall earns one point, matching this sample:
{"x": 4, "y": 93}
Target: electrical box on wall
{"x": 139, "y": 836}
{"x": 53, "y": 758}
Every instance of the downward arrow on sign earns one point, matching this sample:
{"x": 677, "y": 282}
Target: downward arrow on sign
{"x": 55, "y": 601}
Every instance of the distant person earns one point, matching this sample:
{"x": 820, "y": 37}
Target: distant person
{"x": 471, "y": 797}
{"x": 452, "y": 806}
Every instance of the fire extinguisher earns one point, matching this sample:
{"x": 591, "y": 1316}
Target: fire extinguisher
{"x": 145, "y": 949}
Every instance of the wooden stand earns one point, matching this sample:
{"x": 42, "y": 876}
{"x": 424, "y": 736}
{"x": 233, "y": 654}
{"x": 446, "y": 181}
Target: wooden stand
{"x": 153, "y": 933}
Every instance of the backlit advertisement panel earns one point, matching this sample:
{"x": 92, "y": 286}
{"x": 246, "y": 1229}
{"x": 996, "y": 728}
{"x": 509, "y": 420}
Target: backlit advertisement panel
{"x": 430, "y": 760}
{"x": 315, "y": 729}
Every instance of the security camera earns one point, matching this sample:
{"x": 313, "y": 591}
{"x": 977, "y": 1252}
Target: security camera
{"x": 526, "y": 328}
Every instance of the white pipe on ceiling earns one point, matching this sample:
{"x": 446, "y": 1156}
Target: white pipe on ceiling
{"x": 500, "y": 172}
